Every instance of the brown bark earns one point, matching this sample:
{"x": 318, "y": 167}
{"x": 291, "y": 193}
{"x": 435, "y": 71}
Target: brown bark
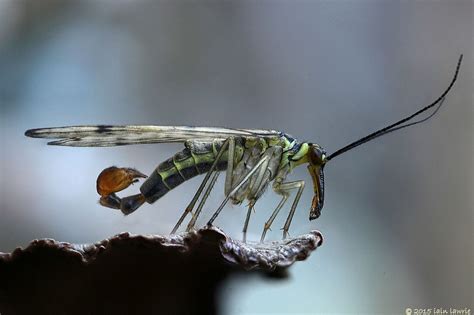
{"x": 134, "y": 274}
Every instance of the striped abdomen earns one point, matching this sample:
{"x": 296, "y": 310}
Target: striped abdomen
{"x": 197, "y": 158}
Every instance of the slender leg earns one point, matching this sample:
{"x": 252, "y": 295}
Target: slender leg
{"x": 284, "y": 190}
{"x": 236, "y": 188}
{"x": 230, "y": 167}
{"x": 286, "y": 227}
{"x": 203, "y": 200}
{"x": 190, "y": 207}
{"x": 275, "y": 212}
{"x": 246, "y": 224}
{"x": 257, "y": 184}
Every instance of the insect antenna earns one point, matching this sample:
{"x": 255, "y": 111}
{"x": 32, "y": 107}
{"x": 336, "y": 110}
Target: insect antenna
{"x": 399, "y": 124}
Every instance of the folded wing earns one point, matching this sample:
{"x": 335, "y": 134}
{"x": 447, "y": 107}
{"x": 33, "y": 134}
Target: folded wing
{"x": 105, "y": 135}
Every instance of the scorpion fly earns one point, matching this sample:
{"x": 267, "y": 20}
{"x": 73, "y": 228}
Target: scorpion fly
{"x": 251, "y": 159}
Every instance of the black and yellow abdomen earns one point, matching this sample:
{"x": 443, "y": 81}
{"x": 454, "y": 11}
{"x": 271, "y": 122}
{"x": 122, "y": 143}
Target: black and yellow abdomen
{"x": 196, "y": 159}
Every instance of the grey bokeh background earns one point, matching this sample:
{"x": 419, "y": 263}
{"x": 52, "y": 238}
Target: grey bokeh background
{"x": 398, "y": 217}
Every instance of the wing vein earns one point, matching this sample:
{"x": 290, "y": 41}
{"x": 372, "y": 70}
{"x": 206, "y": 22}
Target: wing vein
{"x": 107, "y": 135}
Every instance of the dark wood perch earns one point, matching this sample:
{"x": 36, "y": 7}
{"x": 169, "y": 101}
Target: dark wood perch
{"x": 134, "y": 274}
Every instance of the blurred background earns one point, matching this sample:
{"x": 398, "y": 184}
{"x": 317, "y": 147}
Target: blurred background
{"x": 398, "y": 216}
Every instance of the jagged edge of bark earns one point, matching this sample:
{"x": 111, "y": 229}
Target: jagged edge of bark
{"x": 266, "y": 256}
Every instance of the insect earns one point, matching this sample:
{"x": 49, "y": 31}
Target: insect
{"x": 251, "y": 159}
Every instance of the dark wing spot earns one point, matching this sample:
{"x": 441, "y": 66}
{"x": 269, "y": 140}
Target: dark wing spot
{"x": 103, "y": 128}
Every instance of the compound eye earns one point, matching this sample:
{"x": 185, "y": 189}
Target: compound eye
{"x": 323, "y": 154}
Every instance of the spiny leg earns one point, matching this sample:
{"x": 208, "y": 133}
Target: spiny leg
{"x": 275, "y": 212}
{"x": 247, "y": 219}
{"x": 236, "y": 188}
{"x": 284, "y": 190}
{"x": 203, "y": 200}
{"x": 286, "y": 227}
{"x": 228, "y": 183}
{"x": 257, "y": 184}
{"x": 230, "y": 167}
{"x": 196, "y": 196}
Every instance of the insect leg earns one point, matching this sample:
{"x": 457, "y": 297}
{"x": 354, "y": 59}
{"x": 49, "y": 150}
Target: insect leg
{"x": 236, "y": 188}
{"x": 228, "y": 182}
{"x": 257, "y": 185}
{"x": 284, "y": 190}
{"x": 286, "y": 227}
{"x": 203, "y": 200}
{"x": 191, "y": 205}
{"x": 275, "y": 212}
{"x": 230, "y": 167}
{"x": 246, "y": 224}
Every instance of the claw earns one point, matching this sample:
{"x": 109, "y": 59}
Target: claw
{"x": 114, "y": 179}
{"x": 127, "y": 205}
{"x": 110, "y": 201}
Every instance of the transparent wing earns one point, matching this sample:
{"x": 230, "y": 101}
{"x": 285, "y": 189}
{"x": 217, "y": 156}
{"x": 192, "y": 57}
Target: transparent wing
{"x": 104, "y": 135}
